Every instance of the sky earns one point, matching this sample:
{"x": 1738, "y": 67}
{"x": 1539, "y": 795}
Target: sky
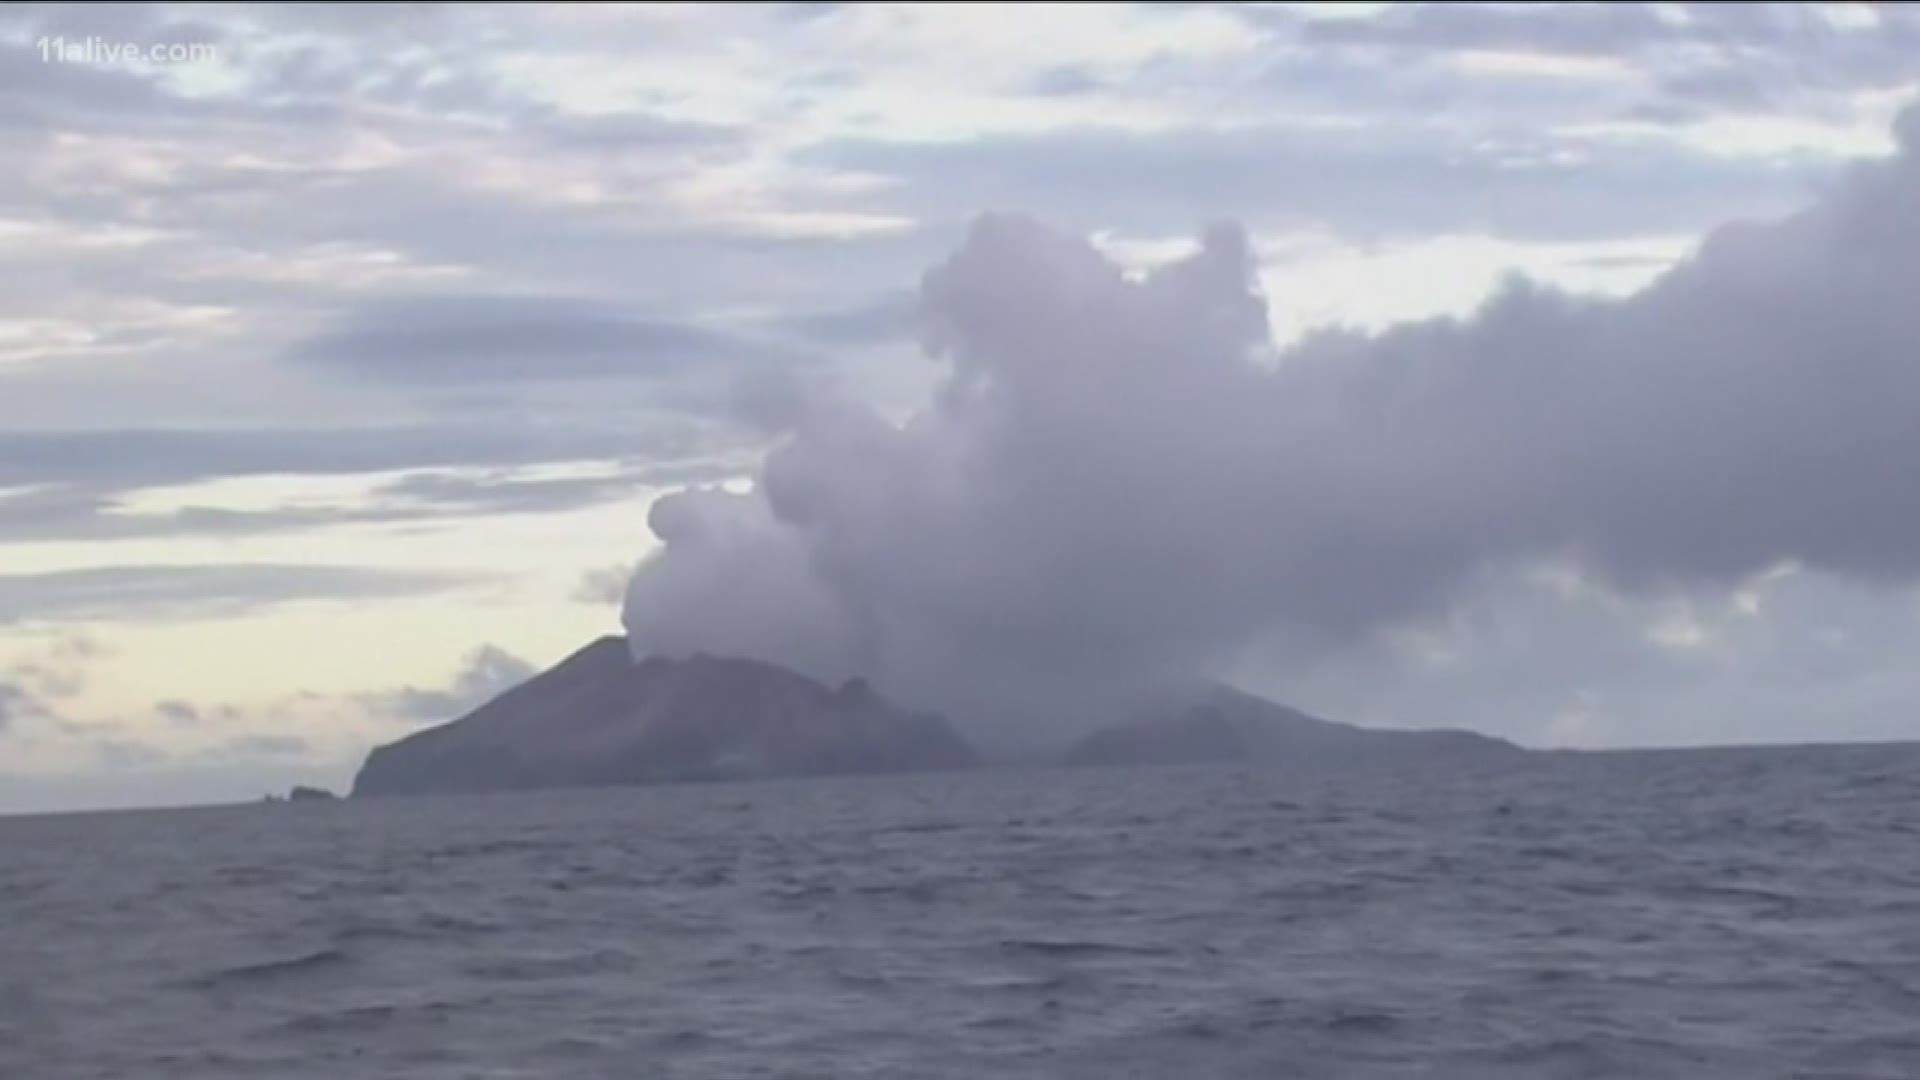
{"x": 1528, "y": 368}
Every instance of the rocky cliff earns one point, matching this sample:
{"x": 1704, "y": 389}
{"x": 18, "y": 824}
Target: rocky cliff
{"x": 601, "y": 718}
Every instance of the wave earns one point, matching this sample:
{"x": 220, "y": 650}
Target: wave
{"x": 270, "y": 970}
{"x": 1077, "y": 948}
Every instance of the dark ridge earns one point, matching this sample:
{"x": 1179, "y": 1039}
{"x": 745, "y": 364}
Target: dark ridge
{"x": 600, "y": 718}
{"x": 1220, "y": 724}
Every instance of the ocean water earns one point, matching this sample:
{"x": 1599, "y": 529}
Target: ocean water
{"x": 1701, "y": 915}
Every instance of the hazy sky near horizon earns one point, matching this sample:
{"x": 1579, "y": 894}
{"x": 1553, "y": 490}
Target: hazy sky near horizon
{"x": 343, "y": 358}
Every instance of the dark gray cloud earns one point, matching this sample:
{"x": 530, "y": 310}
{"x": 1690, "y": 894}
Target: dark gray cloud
{"x": 93, "y": 517}
{"x": 129, "y": 458}
{"x": 481, "y": 339}
{"x": 185, "y": 714}
{"x": 179, "y": 713}
{"x": 486, "y": 672}
{"x": 621, "y": 132}
{"x": 62, "y": 512}
{"x": 136, "y": 593}
{"x": 501, "y": 492}
{"x": 1067, "y": 82}
{"x": 1111, "y": 479}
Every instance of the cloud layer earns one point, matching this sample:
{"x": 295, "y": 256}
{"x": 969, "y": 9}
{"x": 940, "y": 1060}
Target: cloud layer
{"x": 254, "y": 350}
{"x": 484, "y": 674}
{"x": 1118, "y": 479}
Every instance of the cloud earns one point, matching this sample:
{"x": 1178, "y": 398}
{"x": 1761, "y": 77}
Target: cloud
{"x": 122, "y": 754}
{"x": 486, "y": 672}
{"x": 480, "y": 339}
{"x": 1555, "y": 122}
{"x": 1118, "y": 480}
{"x": 272, "y": 265}
{"x": 19, "y": 703}
{"x": 1389, "y": 179}
{"x": 1792, "y": 656}
{"x": 30, "y": 689}
{"x": 135, "y": 593}
{"x": 1067, "y": 81}
{"x": 1819, "y": 48}
{"x": 267, "y": 746}
{"x": 607, "y": 585}
{"x": 503, "y": 492}
{"x": 75, "y": 484}
{"x": 1570, "y": 29}
{"x": 269, "y": 239}
{"x": 178, "y": 713}
{"x": 129, "y": 458}
{"x": 58, "y": 512}
{"x": 1775, "y": 64}
{"x": 185, "y": 714}
{"x": 888, "y": 318}
{"x": 60, "y": 671}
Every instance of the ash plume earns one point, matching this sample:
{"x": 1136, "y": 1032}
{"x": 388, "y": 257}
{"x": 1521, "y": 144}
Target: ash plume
{"x": 1118, "y": 482}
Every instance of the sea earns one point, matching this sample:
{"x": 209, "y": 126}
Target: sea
{"x": 1690, "y": 914}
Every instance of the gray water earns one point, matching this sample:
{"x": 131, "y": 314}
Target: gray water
{"x": 1722, "y": 914}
